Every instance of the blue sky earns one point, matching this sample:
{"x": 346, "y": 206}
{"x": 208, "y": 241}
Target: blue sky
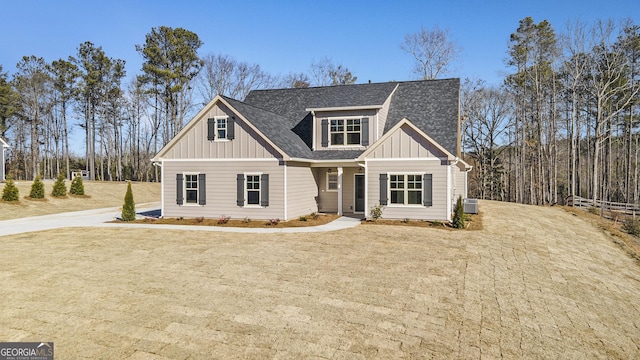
{"x": 287, "y": 36}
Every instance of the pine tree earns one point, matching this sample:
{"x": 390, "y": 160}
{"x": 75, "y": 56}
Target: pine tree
{"x": 458, "y": 215}
{"x": 77, "y": 186}
{"x": 10, "y": 191}
{"x": 129, "y": 207}
{"x": 37, "y": 189}
{"x": 59, "y": 188}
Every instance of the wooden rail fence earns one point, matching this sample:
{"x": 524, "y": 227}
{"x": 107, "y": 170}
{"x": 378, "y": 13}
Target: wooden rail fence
{"x": 608, "y": 209}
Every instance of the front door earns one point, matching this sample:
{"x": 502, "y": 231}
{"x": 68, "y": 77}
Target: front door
{"x": 359, "y": 193}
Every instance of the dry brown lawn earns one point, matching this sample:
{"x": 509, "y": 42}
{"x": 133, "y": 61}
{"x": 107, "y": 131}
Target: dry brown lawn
{"x": 100, "y": 194}
{"x": 550, "y": 285}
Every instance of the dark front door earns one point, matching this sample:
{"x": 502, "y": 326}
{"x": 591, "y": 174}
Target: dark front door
{"x": 359, "y": 189}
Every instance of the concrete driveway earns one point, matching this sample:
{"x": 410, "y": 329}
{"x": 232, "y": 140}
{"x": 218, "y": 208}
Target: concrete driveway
{"x": 101, "y": 218}
{"x": 548, "y": 285}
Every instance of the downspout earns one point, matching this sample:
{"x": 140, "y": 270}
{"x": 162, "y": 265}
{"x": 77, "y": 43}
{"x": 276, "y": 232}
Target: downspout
{"x": 285, "y": 191}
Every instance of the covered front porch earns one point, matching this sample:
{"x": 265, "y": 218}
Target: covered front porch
{"x": 341, "y": 189}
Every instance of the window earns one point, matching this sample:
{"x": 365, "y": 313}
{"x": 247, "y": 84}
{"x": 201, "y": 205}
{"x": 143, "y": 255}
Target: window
{"x": 345, "y": 131}
{"x": 405, "y": 189}
{"x": 332, "y": 182}
{"x": 221, "y": 128}
{"x": 191, "y": 188}
{"x": 253, "y": 189}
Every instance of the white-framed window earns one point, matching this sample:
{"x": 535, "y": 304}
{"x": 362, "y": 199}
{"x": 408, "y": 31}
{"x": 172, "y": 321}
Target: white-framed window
{"x": 332, "y": 181}
{"x": 190, "y": 188}
{"x": 345, "y": 131}
{"x": 405, "y": 189}
{"x": 221, "y": 128}
{"x": 252, "y": 186}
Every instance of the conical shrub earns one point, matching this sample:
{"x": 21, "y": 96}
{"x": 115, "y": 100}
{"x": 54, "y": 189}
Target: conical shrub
{"x": 77, "y": 186}
{"x": 10, "y": 191}
{"x": 458, "y": 215}
{"x": 59, "y": 188}
{"x": 129, "y": 207}
{"x": 37, "y": 189}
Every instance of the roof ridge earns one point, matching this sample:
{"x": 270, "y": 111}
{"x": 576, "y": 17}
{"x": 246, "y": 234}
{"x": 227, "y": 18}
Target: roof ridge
{"x": 256, "y": 107}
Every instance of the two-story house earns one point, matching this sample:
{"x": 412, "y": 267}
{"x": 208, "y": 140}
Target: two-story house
{"x": 285, "y": 153}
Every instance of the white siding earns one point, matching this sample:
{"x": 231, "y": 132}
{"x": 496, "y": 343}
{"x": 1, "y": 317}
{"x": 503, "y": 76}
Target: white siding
{"x": 221, "y": 189}
{"x": 460, "y": 183}
{"x": 301, "y": 191}
{"x": 439, "y": 210}
{"x": 382, "y": 117}
{"x": 327, "y": 200}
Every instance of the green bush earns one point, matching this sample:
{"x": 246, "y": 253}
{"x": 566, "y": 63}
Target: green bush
{"x": 458, "y": 215}
{"x": 59, "y": 188}
{"x": 632, "y": 227}
{"x": 10, "y": 191}
{"x": 37, "y": 189}
{"x": 129, "y": 207}
{"x": 77, "y": 186}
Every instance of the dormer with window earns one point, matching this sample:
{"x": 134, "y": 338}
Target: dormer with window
{"x": 348, "y": 128}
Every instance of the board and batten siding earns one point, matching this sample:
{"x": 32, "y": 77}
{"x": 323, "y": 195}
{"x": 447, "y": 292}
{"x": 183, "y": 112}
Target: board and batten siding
{"x": 221, "y": 188}
{"x": 325, "y": 115}
{"x": 301, "y": 191}
{"x": 405, "y": 143}
{"x": 194, "y": 144}
{"x": 440, "y": 208}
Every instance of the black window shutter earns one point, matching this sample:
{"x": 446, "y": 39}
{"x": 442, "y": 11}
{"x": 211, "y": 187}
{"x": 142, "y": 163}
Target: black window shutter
{"x": 240, "y": 189}
{"x": 383, "y": 189}
{"x": 231, "y": 130}
{"x": 427, "y": 191}
{"x": 264, "y": 190}
{"x": 211, "y": 129}
{"x": 365, "y": 132}
{"x": 325, "y": 132}
{"x": 179, "y": 195}
{"x": 202, "y": 189}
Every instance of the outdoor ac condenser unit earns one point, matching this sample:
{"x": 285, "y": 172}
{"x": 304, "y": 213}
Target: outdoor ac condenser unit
{"x": 470, "y": 206}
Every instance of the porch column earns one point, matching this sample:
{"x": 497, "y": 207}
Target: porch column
{"x": 340, "y": 190}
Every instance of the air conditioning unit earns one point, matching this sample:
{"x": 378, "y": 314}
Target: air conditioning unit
{"x": 470, "y": 206}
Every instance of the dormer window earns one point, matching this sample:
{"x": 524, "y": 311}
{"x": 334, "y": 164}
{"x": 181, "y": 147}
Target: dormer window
{"x": 345, "y": 132}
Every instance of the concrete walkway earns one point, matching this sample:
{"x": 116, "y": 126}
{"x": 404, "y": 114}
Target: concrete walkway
{"x": 100, "y": 218}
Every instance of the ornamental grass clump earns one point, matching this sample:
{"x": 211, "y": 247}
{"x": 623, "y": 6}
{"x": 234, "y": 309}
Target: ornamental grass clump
{"x": 10, "y": 191}
{"x": 37, "y": 189}
{"x": 59, "y": 188}
{"x": 129, "y": 207}
{"x": 77, "y": 186}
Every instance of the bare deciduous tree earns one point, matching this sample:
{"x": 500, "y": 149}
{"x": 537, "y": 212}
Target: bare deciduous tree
{"x": 433, "y": 52}
{"x": 224, "y": 75}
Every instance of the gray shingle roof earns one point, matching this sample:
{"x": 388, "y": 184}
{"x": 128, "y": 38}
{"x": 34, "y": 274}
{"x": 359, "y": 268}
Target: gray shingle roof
{"x": 291, "y": 103}
{"x": 273, "y": 126}
{"x": 432, "y": 105}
